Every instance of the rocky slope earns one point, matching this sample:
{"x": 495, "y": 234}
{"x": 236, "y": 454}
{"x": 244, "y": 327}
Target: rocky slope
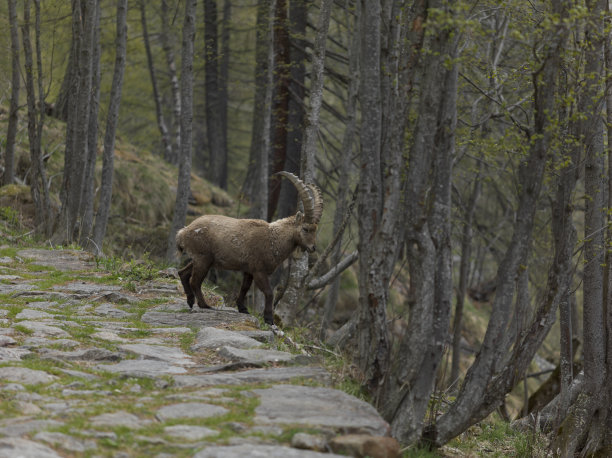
{"x": 91, "y": 365}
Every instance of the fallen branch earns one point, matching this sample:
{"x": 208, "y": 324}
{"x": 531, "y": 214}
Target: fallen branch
{"x": 332, "y": 273}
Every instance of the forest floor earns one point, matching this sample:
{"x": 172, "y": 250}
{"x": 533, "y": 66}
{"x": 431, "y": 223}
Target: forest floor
{"x": 95, "y": 364}
{"x": 98, "y": 359}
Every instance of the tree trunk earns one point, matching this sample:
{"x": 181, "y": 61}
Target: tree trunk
{"x": 587, "y": 417}
{"x": 483, "y": 390}
{"x": 9, "y": 159}
{"x": 217, "y": 154}
{"x": 224, "y": 61}
{"x": 106, "y": 185}
{"x": 280, "y": 104}
{"x": 250, "y": 190}
{"x": 174, "y": 83}
{"x": 344, "y": 173}
{"x": 87, "y": 201}
{"x": 159, "y": 114}
{"x": 184, "y": 175}
{"x": 298, "y": 15}
{"x": 38, "y": 181}
{"x": 464, "y": 270}
{"x": 287, "y": 306}
{"x": 69, "y": 221}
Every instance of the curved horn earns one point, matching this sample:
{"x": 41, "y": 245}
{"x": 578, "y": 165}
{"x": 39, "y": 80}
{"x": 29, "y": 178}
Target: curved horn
{"x": 302, "y": 189}
{"x": 318, "y": 202}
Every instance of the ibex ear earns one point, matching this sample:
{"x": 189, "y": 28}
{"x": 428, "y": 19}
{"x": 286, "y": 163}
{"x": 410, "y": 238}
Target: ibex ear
{"x": 299, "y": 217}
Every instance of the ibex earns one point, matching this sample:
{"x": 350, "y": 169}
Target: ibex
{"x": 252, "y": 246}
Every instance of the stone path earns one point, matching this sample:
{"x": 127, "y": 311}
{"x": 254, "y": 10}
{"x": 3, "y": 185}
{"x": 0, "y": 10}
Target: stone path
{"x": 93, "y": 365}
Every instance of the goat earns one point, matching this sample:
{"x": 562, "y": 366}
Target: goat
{"x": 252, "y": 246}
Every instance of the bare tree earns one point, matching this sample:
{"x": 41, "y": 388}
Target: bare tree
{"x": 214, "y": 133}
{"x": 184, "y": 175}
{"x": 69, "y": 221}
{"x": 39, "y": 186}
{"x": 106, "y": 186}
{"x": 161, "y": 122}
{"x": 167, "y": 45}
{"x": 9, "y": 159}
{"x": 296, "y": 284}
{"x": 250, "y": 187}
{"x": 87, "y": 200}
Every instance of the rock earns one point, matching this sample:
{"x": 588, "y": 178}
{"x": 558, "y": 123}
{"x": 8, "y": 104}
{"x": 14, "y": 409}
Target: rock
{"x": 12, "y": 354}
{"x": 28, "y": 314}
{"x": 268, "y": 375}
{"x": 142, "y": 368}
{"x": 108, "y": 336}
{"x": 111, "y": 311}
{"x": 259, "y": 451}
{"x": 84, "y": 289}
{"x": 41, "y": 329}
{"x": 14, "y": 290}
{"x": 362, "y": 445}
{"x": 120, "y": 418}
{"x": 34, "y": 342}
{"x": 256, "y": 356}
{"x": 64, "y": 260}
{"x": 88, "y": 354}
{"x": 21, "y": 428}
{"x": 199, "y": 318}
{"x": 190, "y": 410}
{"x": 13, "y": 447}
{"x": 309, "y": 442}
{"x": 318, "y": 406}
{"x": 25, "y": 376}
{"x": 262, "y": 336}
{"x": 80, "y": 374}
{"x": 212, "y": 338}
{"x": 27, "y": 408}
{"x": 66, "y": 442}
{"x": 42, "y": 304}
{"x": 189, "y": 432}
{"x": 12, "y": 387}
{"x": 159, "y": 353}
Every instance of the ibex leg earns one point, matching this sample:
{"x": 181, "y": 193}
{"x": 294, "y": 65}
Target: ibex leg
{"x": 263, "y": 283}
{"x": 198, "y": 274}
{"x": 185, "y": 276}
{"x": 247, "y": 279}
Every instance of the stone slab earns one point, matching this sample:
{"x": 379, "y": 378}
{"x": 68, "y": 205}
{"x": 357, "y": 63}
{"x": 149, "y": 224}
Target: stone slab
{"x": 318, "y": 406}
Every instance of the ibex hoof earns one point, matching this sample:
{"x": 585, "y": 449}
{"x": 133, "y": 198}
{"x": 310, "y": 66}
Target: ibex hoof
{"x": 269, "y": 319}
{"x": 190, "y": 301}
{"x": 243, "y": 309}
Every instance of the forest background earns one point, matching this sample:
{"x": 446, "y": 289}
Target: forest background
{"x": 462, "y": 147}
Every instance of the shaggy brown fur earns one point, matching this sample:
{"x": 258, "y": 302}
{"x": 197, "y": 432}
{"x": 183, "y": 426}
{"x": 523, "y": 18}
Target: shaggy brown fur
{"x": 254, "y": 247}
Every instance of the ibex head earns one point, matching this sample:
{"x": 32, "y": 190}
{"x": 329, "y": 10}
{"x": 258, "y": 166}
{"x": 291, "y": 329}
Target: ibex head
{"x": 306, "y": 223}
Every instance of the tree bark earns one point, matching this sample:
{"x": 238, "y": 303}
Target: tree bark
{"x": 38, "y": 181}
{"x": 482, "y": 390}
{"x": 87, "y": 200}
{"x": 250, "y": 189}
{"x": 287, "y": 306}
{"x": 159, "y": 114}
{"x": 298, "y": 15}
{"x": 174, "y": 83}
{"x": 69, "y": 221}
{"x": 280, "y": 104}
{"x": 9, "y": 159}
{"x": 346, "y": 154}
{"x": 184, "y": 175}
{"x": 106, "y": 182}
{"x": 217, "y": 154}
